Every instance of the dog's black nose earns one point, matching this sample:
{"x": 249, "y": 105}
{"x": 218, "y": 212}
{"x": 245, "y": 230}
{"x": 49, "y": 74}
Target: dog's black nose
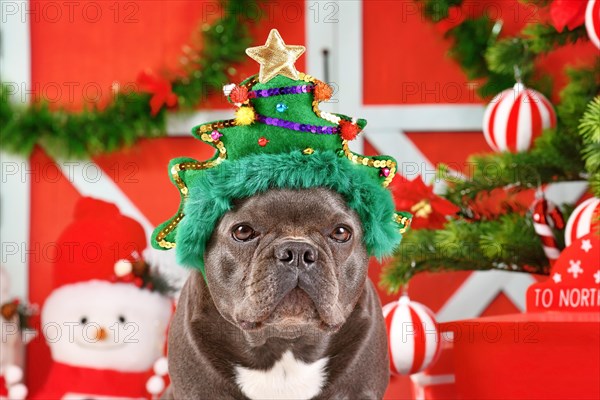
{"x": 299, "y": 254}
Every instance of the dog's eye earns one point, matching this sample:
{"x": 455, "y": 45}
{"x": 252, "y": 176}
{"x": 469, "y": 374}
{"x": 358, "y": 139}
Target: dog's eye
{"x": 341, "y": 234}
{"x": 243, "y": 233}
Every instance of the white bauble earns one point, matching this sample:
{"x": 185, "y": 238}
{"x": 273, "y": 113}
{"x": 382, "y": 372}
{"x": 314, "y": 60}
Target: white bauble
{"x": 161, "y": 366}
{"x": 123, "y": 267}
{"x": 155, "y": 385}
{"x": 12, "y": 374}
{"x": 17, "y": 392}
{"x": 133, "y": 322}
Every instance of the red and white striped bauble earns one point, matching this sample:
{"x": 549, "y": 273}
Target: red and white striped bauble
{"x": 413, "y": 336}
{"x": 583, "y": 220}
{"x": 515, "y": 118}
{"x": 592, "y": 21}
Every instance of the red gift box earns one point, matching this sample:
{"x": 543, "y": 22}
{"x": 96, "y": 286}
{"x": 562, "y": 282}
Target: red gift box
{"x": 526, "y": 356}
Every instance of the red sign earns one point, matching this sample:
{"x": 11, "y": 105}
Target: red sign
{"x": 574, "y": 282}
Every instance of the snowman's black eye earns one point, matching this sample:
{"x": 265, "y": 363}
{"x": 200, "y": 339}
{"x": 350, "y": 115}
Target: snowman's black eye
{"x": 83, "y": 320}
{"x": 121, "y": 319}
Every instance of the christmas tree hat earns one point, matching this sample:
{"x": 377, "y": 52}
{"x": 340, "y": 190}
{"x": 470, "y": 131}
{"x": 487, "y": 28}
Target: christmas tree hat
{"x": 279, "y": 139}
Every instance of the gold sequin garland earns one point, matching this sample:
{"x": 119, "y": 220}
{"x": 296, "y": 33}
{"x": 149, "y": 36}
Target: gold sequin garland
{"x": 369, "y": 162}
{"x": 315, "y": 104}
{"x": 402, "y": 220}
{"x": 355, "y": 158}
{"x": 194, "y": 166}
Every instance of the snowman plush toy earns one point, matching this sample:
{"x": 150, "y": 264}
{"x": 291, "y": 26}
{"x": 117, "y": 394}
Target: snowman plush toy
{"x": 11, "y": 344}
{"x": 106, "y": 320}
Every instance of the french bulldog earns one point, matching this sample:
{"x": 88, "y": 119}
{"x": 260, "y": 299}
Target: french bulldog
{"x": 286, "y": 310}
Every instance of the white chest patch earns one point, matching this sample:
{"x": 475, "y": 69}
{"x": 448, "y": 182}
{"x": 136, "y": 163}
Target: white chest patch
{"x": 288, "y": 379}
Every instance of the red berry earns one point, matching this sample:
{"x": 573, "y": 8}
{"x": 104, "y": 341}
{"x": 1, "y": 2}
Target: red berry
{"x": 348, "y": 130}
{"x": 262, "y": 142}
{"x": 323, "y": 91}
{"x": 239, "y": 94}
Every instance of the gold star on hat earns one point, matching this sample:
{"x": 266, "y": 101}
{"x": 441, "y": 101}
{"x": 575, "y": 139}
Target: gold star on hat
{"x": 275, "y": 58}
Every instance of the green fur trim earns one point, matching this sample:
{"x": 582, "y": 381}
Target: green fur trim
{"x": 212, "y": 191}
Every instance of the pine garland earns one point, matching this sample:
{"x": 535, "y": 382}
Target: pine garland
{"x": 128, "y": 118}
{"x": 507, "y": 241}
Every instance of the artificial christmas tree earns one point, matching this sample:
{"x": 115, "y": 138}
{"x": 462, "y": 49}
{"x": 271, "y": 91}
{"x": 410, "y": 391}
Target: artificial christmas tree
{"x": 479, "y": 238}
{"x": 505, "y": 220}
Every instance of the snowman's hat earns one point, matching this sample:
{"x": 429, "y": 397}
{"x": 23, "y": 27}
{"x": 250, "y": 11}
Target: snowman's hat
{"x": 100, "y": 243}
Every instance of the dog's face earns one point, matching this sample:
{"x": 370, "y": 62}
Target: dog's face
{"x": 287, "y": 263}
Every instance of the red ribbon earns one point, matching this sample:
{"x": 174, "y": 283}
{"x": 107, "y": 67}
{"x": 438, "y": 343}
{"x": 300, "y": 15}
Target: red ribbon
{"x": 161, "y": 89}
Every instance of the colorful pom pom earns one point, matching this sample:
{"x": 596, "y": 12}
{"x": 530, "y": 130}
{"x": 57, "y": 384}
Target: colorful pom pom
{"x": 161, "y": 366}
{"x": 123, "y": 267}
{"x": 13, "y": 374}
{"x": 245, "y": 116}
{"x": 155, "y": 385}
{"x": 239, "y": 94}
{"x": 17, "y": 392}
{"x": 323, "y": 91}
{"x": 348, "y": 130}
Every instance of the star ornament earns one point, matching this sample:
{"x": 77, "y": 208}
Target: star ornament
{"x": 275, "y": 58}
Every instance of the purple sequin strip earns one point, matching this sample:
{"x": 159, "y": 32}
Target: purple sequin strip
{"x": 322, "y": 130}
{"x": 282, "y": 90}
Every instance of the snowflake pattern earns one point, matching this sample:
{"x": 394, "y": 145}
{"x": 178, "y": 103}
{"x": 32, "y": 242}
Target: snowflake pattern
{"x": 586, "y": 245}
{"x": 575, "y": 268}
{"x": 557, "y": 278}
{"x": 597, "y": 276}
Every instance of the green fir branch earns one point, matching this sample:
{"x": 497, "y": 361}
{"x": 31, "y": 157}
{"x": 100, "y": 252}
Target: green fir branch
{"x": 541, "y": 39}
{"x": 437, "y": 10}
{"x": 589, "y": 129}
{"x": 509, "y": 243}
{"x": 470, "y": 39}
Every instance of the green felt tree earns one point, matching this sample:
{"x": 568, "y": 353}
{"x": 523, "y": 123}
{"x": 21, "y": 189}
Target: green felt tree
{"x": 279, "y": 138}
{"x": 505, "y": 239}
